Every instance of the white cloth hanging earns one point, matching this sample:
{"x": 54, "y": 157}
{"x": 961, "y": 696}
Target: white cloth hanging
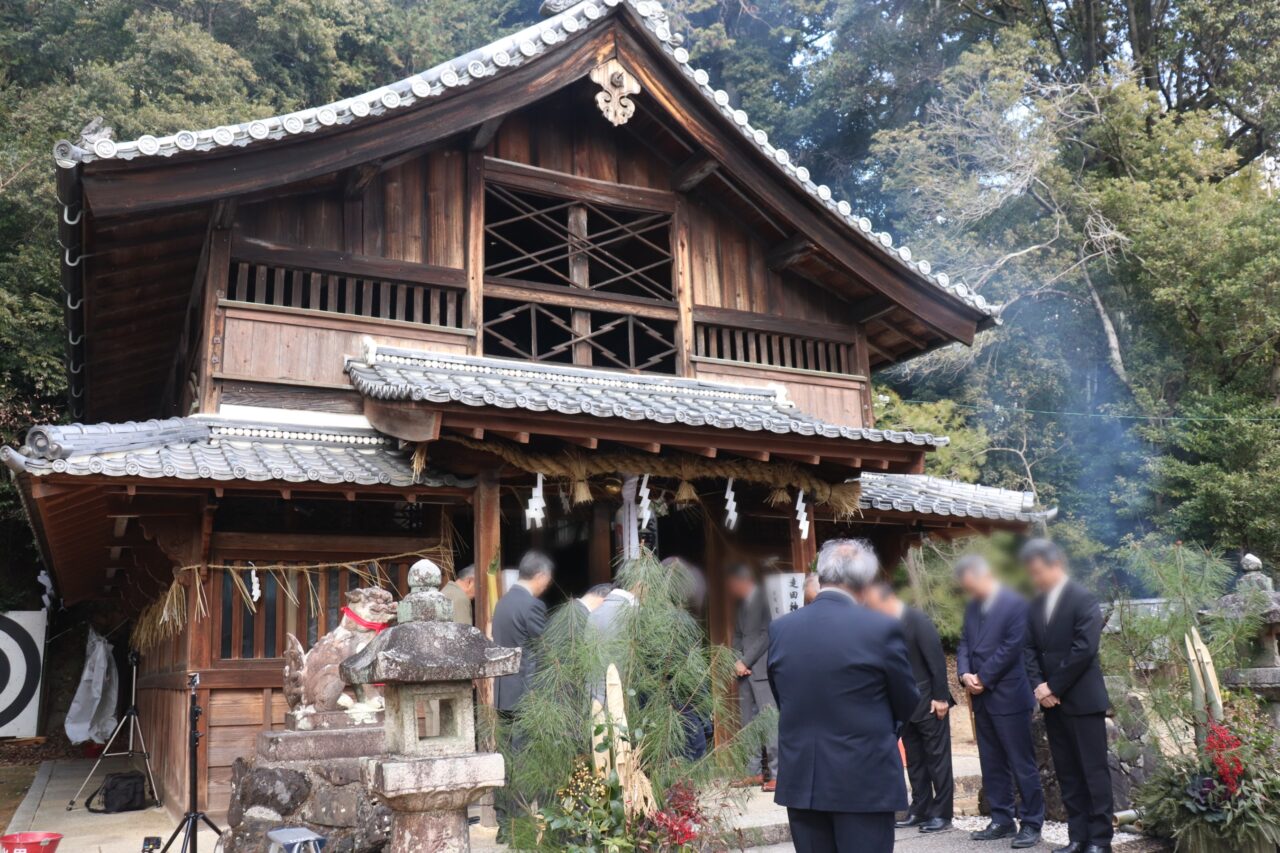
{"x": 92, "y": 715}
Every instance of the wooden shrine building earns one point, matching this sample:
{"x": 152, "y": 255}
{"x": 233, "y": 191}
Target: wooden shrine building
{"x": 341, "y": 337}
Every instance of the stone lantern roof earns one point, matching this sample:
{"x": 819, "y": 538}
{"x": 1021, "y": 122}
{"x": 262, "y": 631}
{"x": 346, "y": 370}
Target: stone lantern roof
{"x": 426, "y": 645}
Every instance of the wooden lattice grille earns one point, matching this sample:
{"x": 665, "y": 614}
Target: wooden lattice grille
{"x": 571, "y": 243}
{"x": 535, "y": 332}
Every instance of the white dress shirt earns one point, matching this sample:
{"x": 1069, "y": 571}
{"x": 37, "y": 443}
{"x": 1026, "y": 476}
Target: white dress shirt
{"x": 1051, "y": 599}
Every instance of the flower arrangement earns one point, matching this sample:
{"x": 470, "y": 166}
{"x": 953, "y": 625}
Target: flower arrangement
{"x": 1226, "y": 795}
{"x": 588, "y": 815}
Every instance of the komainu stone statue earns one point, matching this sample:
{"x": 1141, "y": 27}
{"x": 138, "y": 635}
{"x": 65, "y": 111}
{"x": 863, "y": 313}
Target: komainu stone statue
{"x": 311, "y": 679}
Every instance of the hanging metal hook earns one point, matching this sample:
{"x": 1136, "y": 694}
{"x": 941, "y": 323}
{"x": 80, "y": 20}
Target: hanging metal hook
{"x": 75, "y": 342}
{"x": 66, "y": 256}
{"x": 76, "y": 221}
{"x": 75, "y": 307}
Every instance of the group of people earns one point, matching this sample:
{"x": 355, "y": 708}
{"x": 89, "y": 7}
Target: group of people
{"x": 856, "y": 669}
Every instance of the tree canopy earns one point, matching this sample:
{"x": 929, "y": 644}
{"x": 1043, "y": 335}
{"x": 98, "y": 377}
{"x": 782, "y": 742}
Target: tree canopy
{"x": 1096, "y": 167}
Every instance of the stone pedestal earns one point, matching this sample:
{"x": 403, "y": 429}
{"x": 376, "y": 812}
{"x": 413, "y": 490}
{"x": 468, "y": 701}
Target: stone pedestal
{"x": 429, "y": 798}
{"x": 319, "y": 785}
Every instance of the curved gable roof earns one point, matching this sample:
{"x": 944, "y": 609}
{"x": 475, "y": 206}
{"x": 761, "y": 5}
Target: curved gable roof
{"x": 498, "y": 58}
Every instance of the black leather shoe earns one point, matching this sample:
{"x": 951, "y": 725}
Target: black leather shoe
{"x": 1097, "y": 848}
{"x": 1071, "y": 847}
{"x": 909, "y": 821}
{"x": 1028, "y": 836}
{"x": 937, "y": 824}
{"x": 994, "y": 832}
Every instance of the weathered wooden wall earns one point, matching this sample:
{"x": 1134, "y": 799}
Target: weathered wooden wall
{"x": 415, "y": 212}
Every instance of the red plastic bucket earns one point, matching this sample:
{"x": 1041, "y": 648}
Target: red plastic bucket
{"x": 30, "y": 842}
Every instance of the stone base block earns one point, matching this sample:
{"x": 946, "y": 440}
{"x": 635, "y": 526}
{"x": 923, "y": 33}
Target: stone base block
{"x": 435, "y": 784}
{"x": 320, "y": 745}
{"x": 302, "y": 721}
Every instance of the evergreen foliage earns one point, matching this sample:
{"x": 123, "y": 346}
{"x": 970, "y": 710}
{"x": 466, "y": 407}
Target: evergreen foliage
{"x": 672, "y": 678}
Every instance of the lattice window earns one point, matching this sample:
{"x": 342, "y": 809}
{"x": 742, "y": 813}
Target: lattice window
{"x": 552, "y": 333}
{"x": 574, "y": 243}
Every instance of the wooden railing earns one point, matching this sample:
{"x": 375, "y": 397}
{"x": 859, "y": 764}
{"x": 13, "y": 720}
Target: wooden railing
{"x": 771, "y": 342}
{"x": 263, "y": 273}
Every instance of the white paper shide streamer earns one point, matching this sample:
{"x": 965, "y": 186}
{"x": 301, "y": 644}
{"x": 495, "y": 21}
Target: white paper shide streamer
{"x": 646, "y": 510}
{"x": 730, "y": 506}
{"x": 537, "y": 509}
{"x": 802, "y": 516}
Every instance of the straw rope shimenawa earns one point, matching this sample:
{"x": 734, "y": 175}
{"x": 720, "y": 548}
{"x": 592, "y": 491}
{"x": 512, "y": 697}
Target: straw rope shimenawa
{"x": 167, "y": 615}
{"x": 577, "y": 467}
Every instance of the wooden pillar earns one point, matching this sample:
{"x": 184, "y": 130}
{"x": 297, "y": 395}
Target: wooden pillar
{"x": 803, "y": 551}
{"x": 488, "y": 541}
{"x": 892, "y": 547}
{"x": 683, "y": 279}
{"x": 213, "y": 319}
{"x": 488, "y": 554}
{"x": 475, "y": 250}
{"x": 600, "y": 556}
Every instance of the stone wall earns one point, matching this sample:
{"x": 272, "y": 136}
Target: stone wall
{"x": 327, "y": 796}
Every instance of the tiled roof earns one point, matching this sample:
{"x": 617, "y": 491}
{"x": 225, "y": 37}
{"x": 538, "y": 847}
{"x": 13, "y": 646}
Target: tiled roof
{"x": 386, "y": 373}
{"x": 497, "y": 58}
{"x": 922, "y": 494}
{"x": 205, "y": 449}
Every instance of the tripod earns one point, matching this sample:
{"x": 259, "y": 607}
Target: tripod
{"x": 131, "y": 721}
{"x": 190, "y": 826}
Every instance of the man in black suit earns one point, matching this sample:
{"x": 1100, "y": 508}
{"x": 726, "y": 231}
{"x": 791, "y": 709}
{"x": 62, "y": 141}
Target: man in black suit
{"x": 519, "y": 619}
{"x": 927, "y": 735}
{"x": 990, "y": 663}
{"x": 1062, "y": 663}
{"x": 840, "y": 675}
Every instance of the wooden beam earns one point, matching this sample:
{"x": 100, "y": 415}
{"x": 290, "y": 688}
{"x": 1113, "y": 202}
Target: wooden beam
{"x": 708, "y": 452}
{"x": 758, "y": 455}
{"x": 692, "y": 172}
{"x": 902, "y": 333}
{"x": 359, "y": 177}
{"x": 552, "y": 294}
{"x": 590, "y": 442}
{"x": 403, "y": 419}
{"x": 872, "y": 308}
{"x": 512, "y": 174}
{"x": 802, "y": 458}
{"x": 646, "y": 446}
{"x": 267, "y": 253}
{"x": 517, "y": 437}
{"x": 485, "y": 132}
{"x": 789, "y": 252}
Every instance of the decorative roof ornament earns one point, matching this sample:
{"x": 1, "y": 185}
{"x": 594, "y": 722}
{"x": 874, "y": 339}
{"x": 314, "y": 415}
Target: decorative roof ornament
{"x": 616, "y": 87}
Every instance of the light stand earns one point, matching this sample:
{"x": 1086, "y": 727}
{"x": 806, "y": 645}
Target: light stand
{"x": 189, "y": 828}
{"x": 131, "y": 721}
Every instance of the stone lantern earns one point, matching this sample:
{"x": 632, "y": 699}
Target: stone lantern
{"x": 430, "y": 771}
{"x": 1255, "y": 591}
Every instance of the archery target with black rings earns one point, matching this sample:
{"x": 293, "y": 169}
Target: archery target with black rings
{"x": 21, "y": 655}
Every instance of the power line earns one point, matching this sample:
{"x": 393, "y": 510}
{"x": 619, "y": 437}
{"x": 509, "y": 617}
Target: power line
{"x": 998, "y": 410}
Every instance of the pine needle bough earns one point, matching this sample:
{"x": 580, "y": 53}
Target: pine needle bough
{"x": 672, "y": 679}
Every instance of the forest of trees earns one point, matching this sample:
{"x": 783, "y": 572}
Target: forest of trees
{"x": 1100, "y": 167}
